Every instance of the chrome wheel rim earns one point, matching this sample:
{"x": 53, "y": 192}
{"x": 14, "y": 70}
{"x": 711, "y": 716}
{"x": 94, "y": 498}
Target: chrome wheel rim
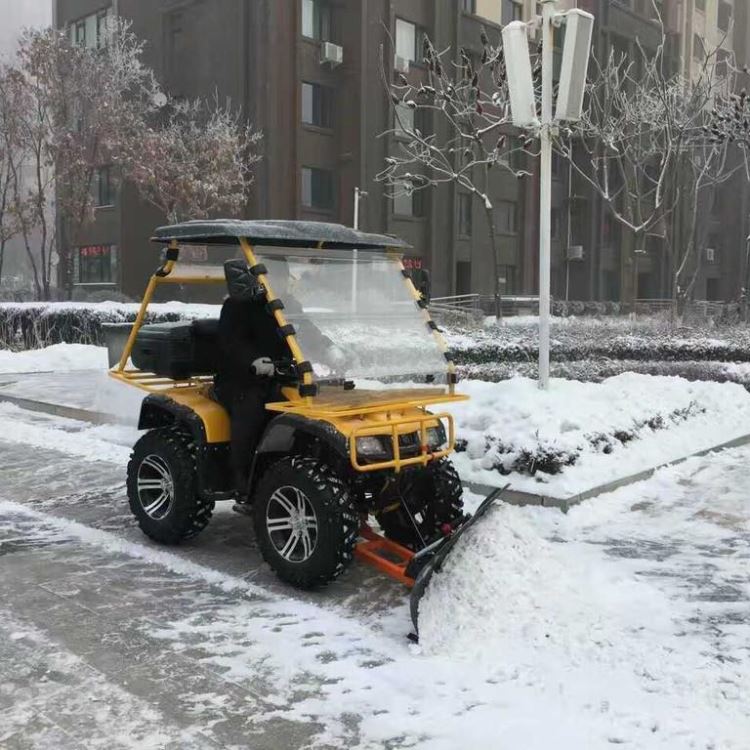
{"x": 292, "y": 524}
{"x": 155, "y": 487}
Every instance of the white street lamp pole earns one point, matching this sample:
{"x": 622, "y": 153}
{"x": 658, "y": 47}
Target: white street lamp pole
{"x": 524, "y": 115}
{"x": 358, "y": 195}
{"x": 545, "y": 198}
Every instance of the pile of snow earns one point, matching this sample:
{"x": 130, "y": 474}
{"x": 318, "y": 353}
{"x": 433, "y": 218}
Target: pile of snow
{"x": 56, "y": 358}
{"x": 629, "y": 612}
{"x": 591, "y": 433}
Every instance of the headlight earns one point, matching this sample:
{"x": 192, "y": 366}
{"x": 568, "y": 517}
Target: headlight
{"x": 436, "y": 437}
{"x": 371, "y": 445}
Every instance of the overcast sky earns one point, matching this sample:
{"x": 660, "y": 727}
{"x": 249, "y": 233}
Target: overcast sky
{"x": 15, "y": 14}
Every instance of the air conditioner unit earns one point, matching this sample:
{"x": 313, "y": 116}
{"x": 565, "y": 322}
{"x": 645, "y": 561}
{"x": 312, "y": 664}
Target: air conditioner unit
{"x": 331, "y": 53}
{"x": 575, "y": 252}
{"x": 710, "y": 254}
{"x": 401, "y": 64}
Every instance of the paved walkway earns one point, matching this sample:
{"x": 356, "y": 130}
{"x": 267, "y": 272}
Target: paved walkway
{"x": 109, "y": 641}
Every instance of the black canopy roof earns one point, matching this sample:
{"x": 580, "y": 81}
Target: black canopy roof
{"x": 275, "y": 233}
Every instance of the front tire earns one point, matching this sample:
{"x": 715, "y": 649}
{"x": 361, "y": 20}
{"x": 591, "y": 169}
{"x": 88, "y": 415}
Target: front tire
{"x": 305, "y": 522}
{"x": 162, "y": 487}
{"x": 429, "y": 498}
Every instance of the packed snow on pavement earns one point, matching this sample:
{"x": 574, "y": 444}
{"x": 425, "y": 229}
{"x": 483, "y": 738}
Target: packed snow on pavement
{"x": 56, "y": 358}
{"x": 623, "y": 622}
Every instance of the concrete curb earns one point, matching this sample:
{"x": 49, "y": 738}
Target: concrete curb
{"x": 516, "y": 497}
{"x": 69, "y": 412}
{"x": 513, "y": 497}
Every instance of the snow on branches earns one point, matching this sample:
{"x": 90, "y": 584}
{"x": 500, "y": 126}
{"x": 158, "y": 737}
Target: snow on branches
{"x": 453, "y": 126}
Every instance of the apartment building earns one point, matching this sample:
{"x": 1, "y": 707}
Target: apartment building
{"x": 308, "y": 74}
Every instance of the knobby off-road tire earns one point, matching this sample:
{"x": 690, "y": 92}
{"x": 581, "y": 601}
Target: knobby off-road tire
{"x": 163, "y": 488}
{"x": 304, "y": 497}
{"x": 434, "y": 495}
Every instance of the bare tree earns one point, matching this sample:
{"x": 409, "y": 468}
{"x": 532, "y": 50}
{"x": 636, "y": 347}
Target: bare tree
{"x": 9, "y": 226}
{"x": 197, "y": 163}
{"x": 643, "y": 148}
{"x": 83, "y": 107}
{"x": 468, "y": 102}
{"x": 26, "y": 144}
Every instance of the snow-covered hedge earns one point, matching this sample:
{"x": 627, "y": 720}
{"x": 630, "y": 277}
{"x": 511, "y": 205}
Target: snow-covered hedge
{"x": 579, "y": 340}
{"x": 30, "y": 325}
{"x": 579, "y": 435}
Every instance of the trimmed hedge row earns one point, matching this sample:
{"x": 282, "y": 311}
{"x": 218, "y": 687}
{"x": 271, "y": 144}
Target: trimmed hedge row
{"x": 37, "y": 326}
{"x": 507, "y": 459}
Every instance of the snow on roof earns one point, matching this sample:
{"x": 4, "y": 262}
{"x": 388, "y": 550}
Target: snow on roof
{"x": 280, "y": 233}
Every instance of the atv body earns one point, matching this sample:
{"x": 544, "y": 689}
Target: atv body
{"x": 331, "y": 455}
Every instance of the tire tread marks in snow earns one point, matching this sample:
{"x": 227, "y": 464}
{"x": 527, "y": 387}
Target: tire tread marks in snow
{"x": 189, "y": 513}
{"x": 338, "y": 520}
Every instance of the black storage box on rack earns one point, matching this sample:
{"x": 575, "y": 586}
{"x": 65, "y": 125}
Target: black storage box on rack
{"x": 177, "y": 350}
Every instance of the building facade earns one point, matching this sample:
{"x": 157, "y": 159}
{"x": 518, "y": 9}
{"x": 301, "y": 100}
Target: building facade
{"x": 308, "y": 74}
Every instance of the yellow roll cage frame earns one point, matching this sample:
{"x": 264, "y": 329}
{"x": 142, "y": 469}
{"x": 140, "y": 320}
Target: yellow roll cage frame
{"x": 390, "y": 414}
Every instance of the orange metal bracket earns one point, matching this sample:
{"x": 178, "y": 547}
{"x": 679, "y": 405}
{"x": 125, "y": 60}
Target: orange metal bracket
{"x": 385, "y": 555}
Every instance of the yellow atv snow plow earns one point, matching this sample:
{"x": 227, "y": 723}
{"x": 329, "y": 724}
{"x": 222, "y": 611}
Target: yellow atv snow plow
{"x": 340, "y": 446}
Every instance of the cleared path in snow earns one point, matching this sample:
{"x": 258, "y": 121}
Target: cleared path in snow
{"x": 201, "y": 647}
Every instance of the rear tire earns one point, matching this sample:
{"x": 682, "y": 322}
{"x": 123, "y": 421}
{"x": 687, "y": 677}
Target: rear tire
{"x": 434, "y": 496}
{"x": 305, "y": 521}
{"x": 162, "y": 487}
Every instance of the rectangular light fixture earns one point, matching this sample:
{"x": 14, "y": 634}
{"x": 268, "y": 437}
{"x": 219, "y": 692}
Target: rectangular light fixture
{"x": 575, "y": 64}
{"x": 520, "y": 81}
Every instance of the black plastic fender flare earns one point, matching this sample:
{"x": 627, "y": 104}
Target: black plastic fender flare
{"x": 158, "y": 410}
{"x": 282, "y": 432}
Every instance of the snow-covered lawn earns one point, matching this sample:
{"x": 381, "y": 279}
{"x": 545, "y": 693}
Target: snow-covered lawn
{"x": 593, "y": 433}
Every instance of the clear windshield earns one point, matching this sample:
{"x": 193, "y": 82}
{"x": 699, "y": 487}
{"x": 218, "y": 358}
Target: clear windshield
{"x": 358, "y": 303}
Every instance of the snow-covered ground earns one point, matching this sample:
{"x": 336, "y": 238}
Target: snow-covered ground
{"x": 629, "y": 614}
{"x": 624, "y": 622}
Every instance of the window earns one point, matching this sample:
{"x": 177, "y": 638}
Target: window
{"x": 409, "y": 40}
{"x": 96, "y": 264}
{"x": 104, "y": 187}
{"x": 698, "y": 49}
{"x": 464, "y": 215}
{"x": 507, "y": 217}
{"x": 463, "y": 277}
{"x": 512, "y": 11}
{"x": 725, "y": 15}
{"x": 469, "y": 6}
{"x": 317, "y": 188}
{"x": 408, "y": 203}
{"x": 508, "y": 279}
{"x": 403, "y": 120}
{"x": 317, "y": 105}
{"x": 91, "y": 31}
{"x": 316, "y": 20}
{"x": 712, "y": 290}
